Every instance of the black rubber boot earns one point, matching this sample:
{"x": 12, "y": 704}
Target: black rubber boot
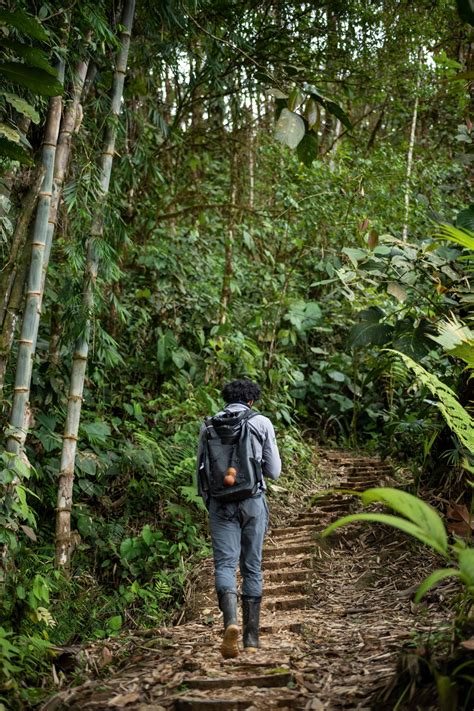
{"x": 230, "y": 643}
{"x": 251, "y": 618}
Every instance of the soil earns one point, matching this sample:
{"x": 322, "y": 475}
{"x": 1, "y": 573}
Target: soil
{"x": 335, "y": 614}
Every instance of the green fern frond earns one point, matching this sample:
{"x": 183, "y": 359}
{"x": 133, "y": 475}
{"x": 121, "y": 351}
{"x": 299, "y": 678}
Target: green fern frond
{"x": 460, "y": 236}
{"x": 457, "y": 418}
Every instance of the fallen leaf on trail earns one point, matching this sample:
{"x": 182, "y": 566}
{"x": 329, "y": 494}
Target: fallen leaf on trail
{"x": 106, "y": 658}
{"x": 124, "y": 699}
{"x": 468, "y": 643}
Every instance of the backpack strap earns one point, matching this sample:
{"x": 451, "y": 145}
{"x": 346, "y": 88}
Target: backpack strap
{"x": 210, "y": 429}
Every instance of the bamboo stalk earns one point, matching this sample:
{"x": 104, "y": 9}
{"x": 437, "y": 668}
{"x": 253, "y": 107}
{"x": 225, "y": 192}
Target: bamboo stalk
{"x": 31, "y": 316}
{"x": 411, "y": 148}
{"x": 81, "y": 351}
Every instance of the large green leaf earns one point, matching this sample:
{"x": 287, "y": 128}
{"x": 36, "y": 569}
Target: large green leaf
{"x": 307, "y": 149}
{"x": 413, "y": 508}
{"x": 14, "y": 152}
{"x": 33, "y": 78}
{"x": 401, "y": 523}
{"x": 9, "y": 132}
{"x": 32, "y": 55}
{"x": 27, "y": 24}
{"x": 22, "y": 106}
{"x": 339, "y": 113}
{"x": 434, "y": 578}
{"x": 457, "y": 418}
{"x": 466, "y": 565}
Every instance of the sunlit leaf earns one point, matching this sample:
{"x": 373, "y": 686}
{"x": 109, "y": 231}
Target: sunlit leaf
{"x": 289, "y": 128}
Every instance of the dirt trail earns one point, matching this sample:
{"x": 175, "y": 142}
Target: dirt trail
{"x": 335, "y": 614}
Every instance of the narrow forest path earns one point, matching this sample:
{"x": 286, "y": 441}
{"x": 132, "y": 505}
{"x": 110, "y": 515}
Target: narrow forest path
{"x": 335, "y": 614}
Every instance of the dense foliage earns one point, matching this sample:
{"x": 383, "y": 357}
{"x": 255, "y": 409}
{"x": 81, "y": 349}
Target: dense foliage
{"x": 280, "y": 174}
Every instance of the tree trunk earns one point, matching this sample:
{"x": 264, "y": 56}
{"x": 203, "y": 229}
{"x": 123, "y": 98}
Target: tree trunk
{"x": 411, "y": 147}
{"x": 76, "y": 389}
{"x": 33, "y": 295}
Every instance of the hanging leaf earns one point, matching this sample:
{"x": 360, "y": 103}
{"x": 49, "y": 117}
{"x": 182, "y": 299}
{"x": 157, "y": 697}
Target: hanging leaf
{"x": 307, "y": 149}
{"x": 14, "y": 152}
{"x": 312, "y": 114}
{"x": 339, "y": 113}
{"x": 289, "y": 128}
{"x": 27, "y": 24}
{"x": 22, "y": 106}
{"x": 32, "y": 55}
{"x": 9, "y": 132}
{"x": 373, "y": 239}
{"x": 35, "y": 79}
{"x": 458, "y": 235}
{"x": 295, "y": 98}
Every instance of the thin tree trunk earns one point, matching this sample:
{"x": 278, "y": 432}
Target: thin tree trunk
{"x": 10, "y": 320}
{"x": 33, "y": 295}
{"x": 78, "y": 372}
{"x": 229, "y": 248}
{"x": 411, "y": 147}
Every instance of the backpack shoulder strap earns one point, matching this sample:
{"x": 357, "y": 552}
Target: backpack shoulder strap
{"x": 210, "y": 429}
{"x": 248, "y": 416}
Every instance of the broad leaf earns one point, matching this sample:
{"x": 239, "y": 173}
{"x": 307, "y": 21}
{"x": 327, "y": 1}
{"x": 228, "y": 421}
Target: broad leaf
{"x": 32, "y": 55}
{"x": 289, "y": 128}
{"x": 466, "y": 565}
{"x": 339, "y": 113}
{"x": 413, "y": 508}
{"x": 22, "y": 106}
{"x": 369, "y": 333}
{"x": 27, "y": 24}
{"x": 14, "y": 152}
{"x": 401, "y": 523}
{"x": 307, "y": 149}
{"x": 35, "y": 79}
{"x": 9, "y": 132}
{"x": 434, "y": 578}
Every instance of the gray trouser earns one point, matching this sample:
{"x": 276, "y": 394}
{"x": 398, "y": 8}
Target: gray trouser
{"x": 237, "y": 533}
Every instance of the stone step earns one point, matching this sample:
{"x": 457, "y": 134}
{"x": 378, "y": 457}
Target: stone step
{"x": 280, "y": 563}
{"x": 286, "y": 588}
{"x": 286, "y": 699}
{"x": 273, "y": 551}
{"x": 291, "y": 574}
{"x": 299, "y": 602}
{"x": 227, "y": 682}
{"x": 289, "y": 530}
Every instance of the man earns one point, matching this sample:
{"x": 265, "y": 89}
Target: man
{"x": 238, "y": 527}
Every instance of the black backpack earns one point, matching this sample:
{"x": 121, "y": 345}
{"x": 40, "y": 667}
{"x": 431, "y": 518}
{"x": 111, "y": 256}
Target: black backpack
{"x": 231, "y": 469}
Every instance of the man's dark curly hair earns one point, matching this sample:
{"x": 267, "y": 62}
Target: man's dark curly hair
{"x": 240, "y": 391}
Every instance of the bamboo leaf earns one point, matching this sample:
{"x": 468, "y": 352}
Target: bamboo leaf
{"x": 401, "y": 523}
{"x": 434, "y": 578}
{"x": 22, "y": 106}
{"x": 14, "y": 152}
{"x": 32, "y": 55}
{"x": 413, "y": 508}
{"x": 27, "y": 24}
{"x": 33, "y": 78}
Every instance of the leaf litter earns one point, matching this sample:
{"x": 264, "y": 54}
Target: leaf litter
{"x": 334, "y": 621}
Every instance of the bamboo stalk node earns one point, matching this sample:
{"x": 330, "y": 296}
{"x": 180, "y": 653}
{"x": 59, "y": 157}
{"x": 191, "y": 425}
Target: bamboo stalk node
{"x": 29, "y": 341}
{"x": 60, "y": 509}
{"x": 37, "y": 244}
{"x": 71, "y": 437}
{"x": 78, "y": 356}
{"x": 77, "y": 398}
{"x": 45, "y": 193}
{"x": 33, "y": 293}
